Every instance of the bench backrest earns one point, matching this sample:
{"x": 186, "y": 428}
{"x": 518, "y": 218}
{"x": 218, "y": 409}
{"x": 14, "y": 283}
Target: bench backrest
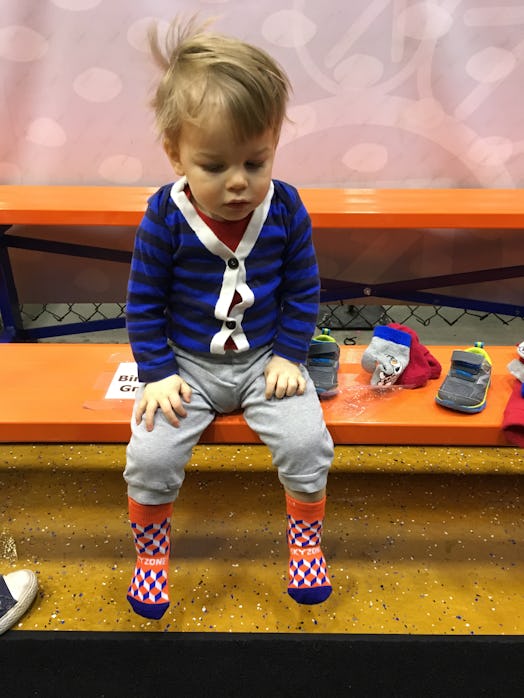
{"x": 328, "y": 208}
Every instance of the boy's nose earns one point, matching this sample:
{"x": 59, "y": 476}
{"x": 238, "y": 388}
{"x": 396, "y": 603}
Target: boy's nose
{"x": 237, "y": 181}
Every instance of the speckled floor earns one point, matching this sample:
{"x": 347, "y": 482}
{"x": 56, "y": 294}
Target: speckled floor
{"x": 420, "y": 551}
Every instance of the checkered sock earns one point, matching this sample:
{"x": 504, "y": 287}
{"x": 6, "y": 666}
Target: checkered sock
{"x": 151, "y": 526}
{"x": 308, "y": 578}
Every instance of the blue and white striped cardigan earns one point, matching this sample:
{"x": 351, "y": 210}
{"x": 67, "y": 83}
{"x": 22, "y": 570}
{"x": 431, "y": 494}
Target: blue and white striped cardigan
{"x": 183, "y": 279}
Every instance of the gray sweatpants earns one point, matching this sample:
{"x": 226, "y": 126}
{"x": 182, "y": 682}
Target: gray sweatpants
{"x": 292, "y": 427}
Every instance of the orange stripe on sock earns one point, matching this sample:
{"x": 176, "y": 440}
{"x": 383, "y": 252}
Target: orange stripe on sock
{"x": 305, "y": 511}
{"x": 145, "y": 514}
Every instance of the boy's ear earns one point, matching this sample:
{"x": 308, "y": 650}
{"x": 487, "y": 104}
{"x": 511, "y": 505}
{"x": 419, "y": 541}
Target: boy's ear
{"x": 174, "y": 159}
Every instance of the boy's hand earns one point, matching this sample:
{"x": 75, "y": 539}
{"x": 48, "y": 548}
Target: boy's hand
{"x": 283, "y": 378}
{"x": 164, "y": 394}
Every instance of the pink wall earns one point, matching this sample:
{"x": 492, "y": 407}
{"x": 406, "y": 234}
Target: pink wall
{"x": 387, "y": 93}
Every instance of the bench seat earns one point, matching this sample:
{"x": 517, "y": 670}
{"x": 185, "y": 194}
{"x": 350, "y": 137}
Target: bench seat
{"x": 54, "y": 393}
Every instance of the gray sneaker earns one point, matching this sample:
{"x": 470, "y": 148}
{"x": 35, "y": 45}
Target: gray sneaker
{"x": 465, "y": 388}
{"x": 322, "y": 364}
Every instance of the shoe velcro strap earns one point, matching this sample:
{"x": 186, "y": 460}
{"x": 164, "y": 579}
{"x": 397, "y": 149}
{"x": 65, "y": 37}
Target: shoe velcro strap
{"x": 467, "y": 357}
{"x": 324, "y": 376}
{"x": 323, "y": 348}
{"x": 466, "y": 364}
{"x": 6, "y": 600}
{"x": 321, "y": 369}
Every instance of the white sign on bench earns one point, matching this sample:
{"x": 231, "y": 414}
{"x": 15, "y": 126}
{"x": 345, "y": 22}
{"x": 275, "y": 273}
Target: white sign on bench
{"x": 124, "y": 383}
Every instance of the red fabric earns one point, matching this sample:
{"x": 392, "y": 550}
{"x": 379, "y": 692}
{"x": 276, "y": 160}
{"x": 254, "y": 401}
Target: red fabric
{"x": 513, "y": 418}
{"x": 230, "y": 233}
{"x": 422, "y": 365}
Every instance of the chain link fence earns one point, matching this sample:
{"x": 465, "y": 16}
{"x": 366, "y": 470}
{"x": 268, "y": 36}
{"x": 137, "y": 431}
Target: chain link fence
{"x": 35, "y": 315}
{"x": 341, "y": 316}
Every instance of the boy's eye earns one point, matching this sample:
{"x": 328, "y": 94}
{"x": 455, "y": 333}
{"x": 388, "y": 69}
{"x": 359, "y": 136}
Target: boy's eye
{"x": 254, "y": 165}
{"x": 212, "y": 167}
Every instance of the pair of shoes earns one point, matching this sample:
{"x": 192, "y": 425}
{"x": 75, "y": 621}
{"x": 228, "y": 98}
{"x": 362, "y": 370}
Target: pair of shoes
{"x": 466, "y": 386}
{"x": 17, "y": 592}
{"x": 322, "y": 364}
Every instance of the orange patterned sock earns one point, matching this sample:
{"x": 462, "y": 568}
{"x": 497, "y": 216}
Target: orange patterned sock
{"x": 308, "y": 578}
{"x": 151, "y": 526}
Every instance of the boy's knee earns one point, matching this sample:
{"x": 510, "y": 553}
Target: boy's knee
{"x": 303, "y": 463}
{"x": 153, "y": 486}
{"x": 307, "y": 480}
{"x": 309, "y": 445}
{"x": 151, "y": 493}
{"x": 152, "y": 475}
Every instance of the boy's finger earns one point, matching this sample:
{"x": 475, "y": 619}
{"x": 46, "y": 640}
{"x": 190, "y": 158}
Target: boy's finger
{"x": 150, "y": 417}
{"x": 270, "y": 387}
{"x": 178, "y": 408}
{"x": 139, "y": 411}
{"x": 281, "y": 388}
{"x": 186, "y": 392}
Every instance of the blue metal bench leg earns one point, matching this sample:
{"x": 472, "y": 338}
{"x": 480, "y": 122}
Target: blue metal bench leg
{"x": 12, "y": 323}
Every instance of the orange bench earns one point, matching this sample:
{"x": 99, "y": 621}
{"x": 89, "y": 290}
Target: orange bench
{"x": 335, "y": 209}
{"x": 328, "y": 208}
{"x": 55, "y": 393}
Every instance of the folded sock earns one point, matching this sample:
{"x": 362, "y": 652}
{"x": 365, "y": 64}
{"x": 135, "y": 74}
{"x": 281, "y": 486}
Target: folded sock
{"x": 422, "y": 365}
{"x": 513, "y": 417}
{"x": 308, "y": 578}
{"x": 516, "y": 367}
{"x": 387, "y": 355}
{"x": 151, "y": 526}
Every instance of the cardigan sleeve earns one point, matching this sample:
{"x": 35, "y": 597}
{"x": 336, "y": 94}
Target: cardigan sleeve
{"x": 300, "y": 288}
{"x": 148, "y": 293}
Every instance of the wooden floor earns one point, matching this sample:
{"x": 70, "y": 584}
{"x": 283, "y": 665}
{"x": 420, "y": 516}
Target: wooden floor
{"x": 419, "y": 541}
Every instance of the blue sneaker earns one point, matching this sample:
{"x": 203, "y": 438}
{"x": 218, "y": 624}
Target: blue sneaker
{"x": 322, "y": 364}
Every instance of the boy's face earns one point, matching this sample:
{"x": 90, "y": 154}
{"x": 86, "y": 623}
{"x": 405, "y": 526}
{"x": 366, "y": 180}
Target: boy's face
{"x": 228, "y": 179}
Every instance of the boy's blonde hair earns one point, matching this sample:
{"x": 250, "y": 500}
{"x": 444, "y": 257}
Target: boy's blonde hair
{"x": 208, "y": 75}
